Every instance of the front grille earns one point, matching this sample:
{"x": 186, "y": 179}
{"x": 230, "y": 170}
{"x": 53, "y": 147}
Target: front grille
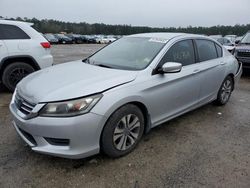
{"x": 243, "y": 54}
{"x": 23, "y": 105}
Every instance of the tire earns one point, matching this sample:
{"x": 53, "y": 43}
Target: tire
{"x": 125, "y": 139}
{"x": 225, "y": 91}
{"x": 15, "y": 72}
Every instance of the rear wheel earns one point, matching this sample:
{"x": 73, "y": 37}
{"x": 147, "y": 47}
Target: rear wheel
{"x": 15, "y": 72}
{"x": 225, "y": 91}
{"x": 122, "y": 131}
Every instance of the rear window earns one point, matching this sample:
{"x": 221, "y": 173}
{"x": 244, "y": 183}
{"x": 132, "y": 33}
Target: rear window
{"x": 10, "y": 32}
{"x": 206, "y": 50}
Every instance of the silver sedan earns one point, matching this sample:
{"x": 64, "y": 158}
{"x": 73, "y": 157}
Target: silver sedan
{"x": 109, "y": 100}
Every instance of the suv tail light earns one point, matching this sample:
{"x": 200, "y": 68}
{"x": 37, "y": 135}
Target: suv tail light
{"x": 45, "y": 44}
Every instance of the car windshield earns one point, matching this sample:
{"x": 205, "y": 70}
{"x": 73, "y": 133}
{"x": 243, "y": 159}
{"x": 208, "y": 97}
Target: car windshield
{"x": 246, "y": 39}
{"x": 128, "y": 53}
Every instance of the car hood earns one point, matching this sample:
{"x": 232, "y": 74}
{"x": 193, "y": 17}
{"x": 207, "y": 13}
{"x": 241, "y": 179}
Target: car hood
{"x": 243, "y": 47}
{"x": 71, "y": 80}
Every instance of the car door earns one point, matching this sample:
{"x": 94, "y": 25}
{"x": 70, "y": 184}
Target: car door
{"x": 211, "y": 68}
{"x": 173, "y": 93}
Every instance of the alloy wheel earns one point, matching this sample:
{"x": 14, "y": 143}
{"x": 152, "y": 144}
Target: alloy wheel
{"x": 16, "y": 75}
{"x": 226, "y": 91}
{"x": 126, "y": 132}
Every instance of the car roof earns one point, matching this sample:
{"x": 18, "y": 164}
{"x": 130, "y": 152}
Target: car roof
{"x": 166, "y": 36}
{"x": 11, "y": 22}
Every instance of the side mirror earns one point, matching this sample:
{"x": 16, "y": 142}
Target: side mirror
{"x": 237, "y": 42}
{"x": 170, "y": 67}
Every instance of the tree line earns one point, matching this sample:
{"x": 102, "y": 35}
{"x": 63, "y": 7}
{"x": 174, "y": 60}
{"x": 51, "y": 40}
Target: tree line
{"x": 55, "y": 26}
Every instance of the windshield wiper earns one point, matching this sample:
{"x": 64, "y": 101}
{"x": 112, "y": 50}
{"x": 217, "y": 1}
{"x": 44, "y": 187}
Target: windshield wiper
{"x": 100, "y": 65}
{"x": 103, "y": 65}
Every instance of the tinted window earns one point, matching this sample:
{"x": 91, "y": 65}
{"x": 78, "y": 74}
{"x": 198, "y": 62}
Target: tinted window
{"x": 206, "y": 50}
{"x": 8, "y": 32}
{"x": 181, "y": 52}
{"x": 219, "y": 50}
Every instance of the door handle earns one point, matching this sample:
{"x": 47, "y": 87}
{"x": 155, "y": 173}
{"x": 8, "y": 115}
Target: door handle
{"x": 222, "y": 63}
{"x": 196, "y": 71}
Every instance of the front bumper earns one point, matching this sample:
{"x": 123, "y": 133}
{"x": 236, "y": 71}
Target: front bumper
{"x": 245, "y": 62}
{"x": 45, "y": 61}
{"x": 83, "y": 133}
{"x": 238, "y": 74}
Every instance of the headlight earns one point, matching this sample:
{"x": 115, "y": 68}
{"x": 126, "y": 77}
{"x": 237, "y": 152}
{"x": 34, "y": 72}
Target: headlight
{"x": 71, "y": 107}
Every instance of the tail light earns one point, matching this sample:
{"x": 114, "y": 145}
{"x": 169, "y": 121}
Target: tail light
{"x": 45, "y": 44}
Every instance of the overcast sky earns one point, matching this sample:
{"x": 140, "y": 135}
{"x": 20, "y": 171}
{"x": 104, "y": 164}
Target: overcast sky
{"x": 158, "y": 13}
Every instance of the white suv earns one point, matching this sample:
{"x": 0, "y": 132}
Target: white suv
{"x": 22, "y": 51}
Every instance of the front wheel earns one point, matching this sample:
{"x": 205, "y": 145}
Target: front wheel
{"x": 122, "y": 131}
{"x": 225, "y": 91}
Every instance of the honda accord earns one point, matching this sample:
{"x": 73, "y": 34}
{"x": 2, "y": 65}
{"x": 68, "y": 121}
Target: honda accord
{"x": 109, "y": 100}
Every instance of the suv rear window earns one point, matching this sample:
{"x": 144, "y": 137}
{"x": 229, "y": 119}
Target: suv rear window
{"x": 9, "y": 32}
{"x": 206, "y": 50}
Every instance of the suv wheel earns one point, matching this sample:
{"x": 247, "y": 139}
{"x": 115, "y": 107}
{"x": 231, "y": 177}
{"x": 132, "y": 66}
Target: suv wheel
{"x": 225, "y": 91}
{"x": 15, "y": 72}
{"x": 122, "y": 131}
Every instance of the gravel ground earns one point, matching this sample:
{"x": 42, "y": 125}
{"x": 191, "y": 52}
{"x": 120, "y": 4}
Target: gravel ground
{"x": 208, "y": 147}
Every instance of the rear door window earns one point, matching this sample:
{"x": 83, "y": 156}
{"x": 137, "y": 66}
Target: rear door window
{"x": 206, "y": 50}
{"x": 181, "y": 52}
{"x": 219, "y": 50}
{"x": 10, "y": 32}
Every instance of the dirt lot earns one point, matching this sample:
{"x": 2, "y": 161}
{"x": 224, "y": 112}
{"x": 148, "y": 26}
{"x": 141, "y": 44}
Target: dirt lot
{"x": 209, "y": 147}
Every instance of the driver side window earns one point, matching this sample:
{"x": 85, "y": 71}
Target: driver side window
{"x": 181, "y": 52}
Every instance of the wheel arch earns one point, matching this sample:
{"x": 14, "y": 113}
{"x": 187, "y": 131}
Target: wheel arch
{"x": 24, "y": 58}
{"x": 232, "y": 76}
{"x": 141, "y": 105}
{"x": 145, "y": 113}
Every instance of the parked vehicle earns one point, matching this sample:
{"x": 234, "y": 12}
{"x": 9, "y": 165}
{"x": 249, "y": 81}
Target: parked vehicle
{"x": 84, "y": 38}
{"x": 231, "y": 37}
{"x": 101, "y": 40}
{"x": 91, "y": 39}
{"x": 215, "y": 37}
{"x": 108, "y": 101}
{"x": 63, "y": 39}
{"x": 51, "y": 38}
{"x": 104, "y": 39}
{"x": 228, "y": 44}
{"x": 242, "y": 51}
{"x": 22, "y": 51}
{"x": 77, "y": 39}
{"x": 111, "y": 39}
{"x": 238, "y": 39}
